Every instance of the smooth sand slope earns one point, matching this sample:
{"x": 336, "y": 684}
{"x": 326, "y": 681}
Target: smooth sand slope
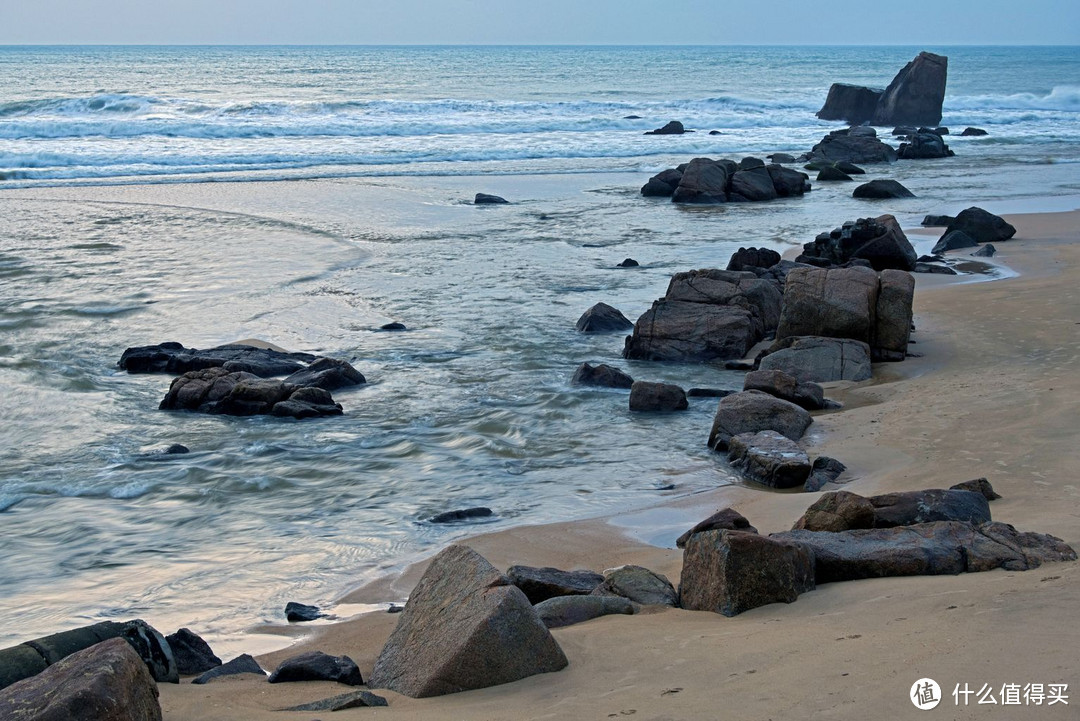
{"x": 996, "y": 394}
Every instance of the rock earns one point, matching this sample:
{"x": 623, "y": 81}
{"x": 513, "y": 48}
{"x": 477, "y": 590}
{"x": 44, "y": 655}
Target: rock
{"x": 540, "y": 584}
{"x": 905, "y": 130}
{"x": 837, "y": 511}
{"x": 839, "y": 145}
{"x": 703, "y": 181}
{"x": 852, "y": 103}
{"x": 753, "y": 411}
{"x": 750, "y": 162}
{"x": 354, "y": 699}
{"x": 820, "y": 360}
{"x": 850, "y": 168}
{"x": 834, "y": 302}
{"x": 787, "y": 182}
{"x": 673, "y": 127}
{"x": 485, "y": 199}
{"x": 464, "y": 627}
{"x": 176, "y": 449}
{"x": 192, "y": 654}
{"x": 968, "y": 132}
{"x": 952, "y": 241}
{"x": 560, "y": 611}
{"x": 934, "y": 221}
{"x": 778, "y": 383}
{"x": 241, "y": 664}
{"x": 300, "y": 612}
{"x": 638, "y": 584}
{"x": 931, "y": 268}
{"x": 881, "y": 241}
{"x": 715, "y": 132}
{"x": 729, "y": 572}
{"x": 941, "y": 548}
{"x": 863, "y": 131}
{"x": 684, "y": 331}
{"x": 663, "y": 184}
{"x": 987, "y": 251}
{"x": 603, "y": 318}
{"x": 881, "y": 188}
{"x": 601, "y": 375}
{"x": 922, "y": 146}
{"x": 768, "y": 458}
{"x": 725, "y": 519}
{"x": 824, "y": 470}
{"x": 832, "y": 173}
{"x": 753, "y": 185}
{"x": 911, "y": 507}
{"x": 175, "y": 358}
{"x": 646, "y": 396}
{"x": 892, "y": 315}
{"x": 317, "y": 666}
{"x": 105, "y": 682}
{"x": 628, "y": 263}
{"x": 631, "y": 117}
{"x": 708, "y": 393}
{"x": 328, "y": 374}
{"x": 781, "y": 158}
{"x": 916, "y": 94}
{"x": 763, "y": 298}
{"x": 745, "y": 258}
{"x": 393, "y": 326}
{"x": 217, "y": 390}
{"x": 981, "y": 226}
{"x": 979, "y": 485}
{"x": 463, "y": 514}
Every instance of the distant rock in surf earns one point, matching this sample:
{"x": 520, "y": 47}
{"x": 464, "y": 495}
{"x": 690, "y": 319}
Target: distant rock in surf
{"x": 603, "y": 318}
{"x": 628, "y": 263}
{"x": 463, "y": 514}
{"x": 601, "y": 375}
{"x": 915, "y": 96}
{"x": 173, "y": 357}
{"x": 219, "y": 391}
{"x": 672, "y": 128}
{"x": 881, "y": 188}
{"x": 973, "y": 132}
{"x": 485, "y": 199}
{"x": 852, "y": 147}
{"x": 393, "y": 326}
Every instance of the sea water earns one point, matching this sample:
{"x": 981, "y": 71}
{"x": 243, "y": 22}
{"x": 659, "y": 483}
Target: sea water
{"x": 306, "y": 196}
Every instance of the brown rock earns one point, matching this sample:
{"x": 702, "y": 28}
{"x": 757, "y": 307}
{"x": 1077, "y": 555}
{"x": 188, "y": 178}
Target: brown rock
{"x": 837, "y": 511}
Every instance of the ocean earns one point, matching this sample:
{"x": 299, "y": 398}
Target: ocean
{"x": 308, "y": 195}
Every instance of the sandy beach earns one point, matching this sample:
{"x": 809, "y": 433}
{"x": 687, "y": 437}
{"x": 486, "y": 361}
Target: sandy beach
{"x": 993, "y": 394}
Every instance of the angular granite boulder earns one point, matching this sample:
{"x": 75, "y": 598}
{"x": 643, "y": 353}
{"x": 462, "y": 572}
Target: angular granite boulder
{"x": 768, "y": 458}
{"x": 820, "y": 360}
{"x": 638, "y": 584}
{"x": 753, "y": 411}
{"x": 910, "y": 507}
{"x": 726, "y": 519}
{"x": 540, "y": 584}
{"x": 837, "y": 511}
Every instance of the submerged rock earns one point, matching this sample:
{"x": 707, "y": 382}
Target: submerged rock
{"x": 601, "y": 375}
{"x": 485, "y": 199}
{"x": 463, "y": 514}
{"x": 646, "y": 396}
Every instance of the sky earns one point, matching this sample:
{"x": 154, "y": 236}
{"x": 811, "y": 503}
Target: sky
{"x": 631, "y": 22}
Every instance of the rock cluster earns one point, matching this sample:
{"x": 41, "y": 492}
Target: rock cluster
{"x": 852, "y": 145}
{"x": 708, "y": 181}
{"x": 880, "y": 241}
{"x": 218, "y": 390}
{"x": 915, "y": 96}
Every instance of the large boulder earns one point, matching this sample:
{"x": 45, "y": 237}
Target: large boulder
{"x": 601, "y": 375}
{"x": 820, "y": 360}
{"x": 916, "y": 94}
{"x": 725, "y": 519}
{"x": 603, "y": 318}
{"x": 981, "y": 226}
{"x": 174, "y": 358}
{"x": 833, "y": 302}
{"x": 854, "y": 104}
{"x": 926, "y": 549}
{"x": 841, "y": 145}
{"x": 787, "y": 387}
{"x": 745, "y": 258}
{"x": 663, "y": 184}
{"x": 893, "y": 315}
{"x": 192, "y": 654}
{"x": 218, "y": 390}
{"x": 729, "y": 572}
{"x": 788, "y": 183}
{"x": 638, "y": 584}
{"x": 922, "y": 146}
{"x": 837, "y": 511}
{"x": 751, "y": 185}
{"x": 910, "y": 507}
{"x": 540, "y": 584}
{"x": 881, "y": 189}
{"x": 660, "y": 397}
{"x": 703, "y": 181}
{"x": 763, "y": 298}
{"x": 105, "y": 682}
{"x": 560, "y": 611}
{"x": 768, "y": 458}
{"x": 953, "y": 240}
{"x": 328, "y": 374}
{"x": 317, "y": 666}
{"x": 880, "y": 241}
{"x": 683, "y": 331}
{"x": 465, "y": 626}
{"x": 753, "y": 411}
{"x": 832, "y": 173}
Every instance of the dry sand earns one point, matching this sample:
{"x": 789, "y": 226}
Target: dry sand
{"x": 995, "y": 394}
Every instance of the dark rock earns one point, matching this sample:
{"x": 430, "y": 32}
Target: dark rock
{"x": 837, "y": 511}
{"x": 708, "y": 393}
{"x": 715, "y": 132}
{"x": 979, "y": 485}
{"x": 301, "y": 612}
{"x": 930, "y": 259}
{"x": 768, "y": 458}
{"x": 911, "y": 507}
{"x": 820, "y": 360}
{"x": 784, "y": 386}
{"x": 241, "y": 664}
{"x": 832, "y": 173}
{"x": 892, "y": 315}
{"x": 916, "y": 94}
{"x": 923, "y": 146}
{"x": 905, "y": 130}
{"x": 394, "y": 608}
{"x": 638, "y": 584}
{"x": 745, "y": 258}
{"x": 852, "y": 103}
{"x": 982, "y": 226}
{"x": 725, "y": 519}
{"x": 973, "y": 131}
{"x": 881, "y": 188}
{"x": 740, "y": 365}
{"x": 465, "y": 626}
{"x": 317, "y": 666}
{"x": 684, "y": 331}
{"x": 931, "y": 268}
{"x": 603, "y": 318}
{"x": 663, "y": 184}
{"x": 787, "y": 182}
{"x": 953, "y": 240}
{"x": 461, "y": 515}
{"x": 192, "y": 654}
{"x": 485, "y": 199}
{"x": 393, "y": 326}
{"x": 560, "y": 611}
{"x": 749, "y": 163}
{"x": 629, "y": 263}
{"x": 646, "y": 396}
{"x": 849, "y": 168}
{"x": 934, "y": 221}
{"x": 176, "y": 449}
{"x": 839, "y": 145}
{"x": 862, "y": 131}
{"x": 781, "y": 158}
{"x": 944, "y": 547}
{"x": 673, "y": 127}
{"x": 753, "y": 411}
{"x": 217, "y": 390}
{"x": 751, "y": 186}
{"x": 703, "y": 181}
{"x": 833, "y": 302}
{"x": 824, "y": 470}
{"x": 353, "y": 699}
{"x": 601, "y": 375}
{"x": 631, "y": 117}
{"x": 987, "y": 251}
{"x": 879, "y": 240}
{"x": 175, "y": 358}
{"x": 328, "y": 374}
{"x": 105, "y": 682}
{"x": 729, "y": 572}
{"x": 540, "y": 584}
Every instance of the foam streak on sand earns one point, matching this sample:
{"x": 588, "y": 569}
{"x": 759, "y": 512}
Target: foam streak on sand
{"x": 993, "y": 394}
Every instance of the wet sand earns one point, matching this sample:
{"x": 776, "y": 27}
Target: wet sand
{"x": 994, "y": 394}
